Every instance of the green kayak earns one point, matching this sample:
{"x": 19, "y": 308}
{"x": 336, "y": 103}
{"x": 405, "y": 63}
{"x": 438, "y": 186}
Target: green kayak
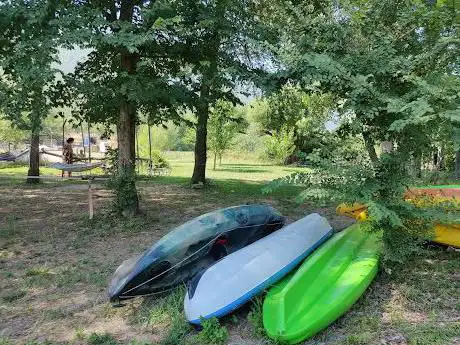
{"x": 324, "y": 287}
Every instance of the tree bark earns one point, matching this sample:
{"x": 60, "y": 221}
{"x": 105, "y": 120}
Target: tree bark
{"x": 215, "y": 159}
{"x": 128, "y": 200}
{"x": 34, "y": 158}
{"x": 435, "y": 159}
{"x": 369, "y": 143}
{"x": 199, "y": 170}
{"x": 418, "y": 165}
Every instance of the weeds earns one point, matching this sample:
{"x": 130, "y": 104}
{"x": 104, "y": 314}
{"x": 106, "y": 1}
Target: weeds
{"x": 11, "y": 228}
{"x": 432, "y": 334}
{"x": 13, "y": 296}
{"x": 255, "y": 317}
{"x": 107, "y": 224}
{"x": 363, "y": 338}
{"x": 178, "y": 331}
{"x": 165, "y": 312}
{"x": 79, "y": 334}
{"x": 5, "y": 341}
{"x": 102, "y": 339}
{"x": 56, "y": 314}
{"x": 160, "y": 310}
{"x": 212, "y": 332}
{"x": 42, "y": 271}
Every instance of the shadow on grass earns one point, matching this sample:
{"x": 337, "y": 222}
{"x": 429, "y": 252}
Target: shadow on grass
{"x": 227, "y": 187}
{"x": 247, "y": 165}
{"x": 242, "y": 169}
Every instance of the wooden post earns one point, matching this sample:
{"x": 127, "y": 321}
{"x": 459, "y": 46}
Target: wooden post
{"x": 90, "y": 199}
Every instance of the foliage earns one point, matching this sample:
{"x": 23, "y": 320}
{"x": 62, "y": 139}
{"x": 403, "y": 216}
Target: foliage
{"x": 293, "y": 108}
{"x": 393, "y": 66}
{"x": 112, "y": 159}
{"x": 123, "y": 185}
{"x": 158, "y": 161}
{"x": 224, "y": 36}
{"x": 212, "y": 332}
{"x": 223, "y": 125}
{"x": 252, "y": 140}
{"x": 28, "y": 36}
{"x": 280, "y": 145}
{"x": 133, "y": 67}
{"x": 336, "y": 179}
{"x": 11, "y": 134}
{"x": 168, "y": 136}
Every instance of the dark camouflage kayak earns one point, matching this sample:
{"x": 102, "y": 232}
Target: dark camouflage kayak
{"x": 191, "y": 248}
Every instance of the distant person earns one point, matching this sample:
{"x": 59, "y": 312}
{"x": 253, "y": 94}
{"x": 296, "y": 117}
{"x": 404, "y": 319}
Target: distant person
{"x": 67, "y": 154}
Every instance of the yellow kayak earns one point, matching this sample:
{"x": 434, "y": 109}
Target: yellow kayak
{"x": 448, "y": 234}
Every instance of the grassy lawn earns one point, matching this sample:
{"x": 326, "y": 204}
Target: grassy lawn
{"x": 233, "y": 167}
{"x": 55, "y": 266}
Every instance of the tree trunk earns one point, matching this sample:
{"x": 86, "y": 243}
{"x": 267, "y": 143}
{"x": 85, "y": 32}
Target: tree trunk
{"x": 457, "y": 164}
{"x": 127, "y": 199}
{"x": 220, "y": 159}
{"x": 435, "y": 159}
{"x": 370, "y": 149}
{"x": 199, "y": 170}
{"x": 34, "y": 159}
{"x": 418, "y": 165}
{"x": 215, "y": 159}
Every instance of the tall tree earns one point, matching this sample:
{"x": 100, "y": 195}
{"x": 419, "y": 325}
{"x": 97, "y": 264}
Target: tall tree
{"x": 394, "y": 65}
{"x": 222, "y": 35}
{"x": 224, "y": 124}
{"x": 131, "y": 69}
{"x": 28, "y": 37}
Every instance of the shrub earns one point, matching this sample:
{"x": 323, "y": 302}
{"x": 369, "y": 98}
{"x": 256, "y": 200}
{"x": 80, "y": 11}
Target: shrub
{"x": 280, "y": 145}
{"x": 403, "y": 225}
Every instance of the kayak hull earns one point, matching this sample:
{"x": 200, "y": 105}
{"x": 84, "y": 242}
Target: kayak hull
{"x": 447, "y": 234}
{"x": 240, "y": 276}
{"x": 325, "y": 286}
{"x": 192, "y": 247}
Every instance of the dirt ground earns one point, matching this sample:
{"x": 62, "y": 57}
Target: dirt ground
{"x": 55, "y": 266}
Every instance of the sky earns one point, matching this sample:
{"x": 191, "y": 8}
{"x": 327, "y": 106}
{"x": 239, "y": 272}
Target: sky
{"x": 70, "y": 58}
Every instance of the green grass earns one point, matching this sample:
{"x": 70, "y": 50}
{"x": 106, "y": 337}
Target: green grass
{"x": 13, "y": 295}
{"x": 21, "y": 170}
{"x": 233, "y": 167}
{"x": 101, "y": 339}
{"x": 58, "y": 260}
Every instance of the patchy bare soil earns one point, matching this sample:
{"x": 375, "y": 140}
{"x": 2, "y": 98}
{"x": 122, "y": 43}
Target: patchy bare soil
{"x": 55, "y": 266}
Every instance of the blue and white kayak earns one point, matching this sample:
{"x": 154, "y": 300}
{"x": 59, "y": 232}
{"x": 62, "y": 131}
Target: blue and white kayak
{"x": 238, "y": 277}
